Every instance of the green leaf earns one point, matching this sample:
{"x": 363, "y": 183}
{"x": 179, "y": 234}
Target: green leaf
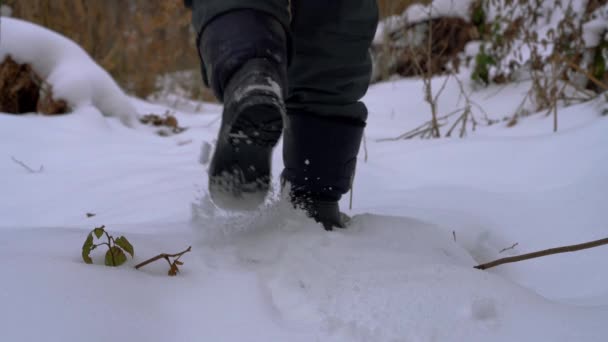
{"x": 98, "y": 232}
{"x": 86, "y": 249}
{"x": 115, "y": 257}
{"x": 481, "y": 72}
{"x": 123, "y": 243}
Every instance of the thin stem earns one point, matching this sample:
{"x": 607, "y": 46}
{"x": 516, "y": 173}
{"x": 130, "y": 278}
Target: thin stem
{"x": 163, "y": 256}
{"x": 25, "y": 166}
{"x": 508, "y": 248}
{"x": 110, "y": 239}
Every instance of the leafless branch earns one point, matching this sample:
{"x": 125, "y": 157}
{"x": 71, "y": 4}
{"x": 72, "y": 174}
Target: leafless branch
{"x": 163, "y": 256}
{"x": 557, "y": 250}
{"x": 508, "y": 248}
{"x": 25, "y": 166}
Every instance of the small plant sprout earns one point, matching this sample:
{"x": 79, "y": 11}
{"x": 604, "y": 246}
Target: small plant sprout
{"x": 115, "y": 255}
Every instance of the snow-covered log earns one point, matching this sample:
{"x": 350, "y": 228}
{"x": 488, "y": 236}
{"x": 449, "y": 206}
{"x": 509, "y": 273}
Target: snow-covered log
{"x": 66, "y": 67}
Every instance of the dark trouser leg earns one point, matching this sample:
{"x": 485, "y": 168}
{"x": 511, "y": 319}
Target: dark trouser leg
{"x": 244, "y": 55}
{"x": 331, "y": 67}
{"x": 204, "y": 11}
{"x": 330, "y": 72}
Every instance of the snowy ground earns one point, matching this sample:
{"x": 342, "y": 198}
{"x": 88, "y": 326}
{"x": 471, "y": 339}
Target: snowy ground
{"x": 397, "y": 274}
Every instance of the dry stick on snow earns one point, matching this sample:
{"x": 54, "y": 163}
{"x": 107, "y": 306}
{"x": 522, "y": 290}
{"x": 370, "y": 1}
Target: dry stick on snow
{"x": 27, "y": 167}
{"x": 163, "y": 256}
{"x": 508, "y": 248}
{"x": 550, "y": 251}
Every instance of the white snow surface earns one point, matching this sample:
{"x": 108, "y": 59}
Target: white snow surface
{"x": 438, "y": 9}
{"x": 418, "y": 13}
{"x": 71, "y": 72}
{"x": 594, "y": 31}
{"x": 424, "y": 213}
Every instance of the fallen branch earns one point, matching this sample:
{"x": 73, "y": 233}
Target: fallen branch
{"x": 22, "y": 164}
{"x": 557, "y": 250}
{"x": 173, "y": 265}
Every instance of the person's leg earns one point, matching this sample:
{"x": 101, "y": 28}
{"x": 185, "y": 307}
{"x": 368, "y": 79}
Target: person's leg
{"x": 329, "y": 73}
{"x": 243, "y": 47}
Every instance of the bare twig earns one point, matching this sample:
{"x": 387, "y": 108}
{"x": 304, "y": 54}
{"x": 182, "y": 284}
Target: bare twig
{"x": 565, "y": 249}
{"x": 442, "y": 88}
{"x": 425, "y": 128}
{"x": 449, "y": 133}
{"x": 163, "y": 256}
{"x": 508, "y": 248}
{"x": 25, "y": 166}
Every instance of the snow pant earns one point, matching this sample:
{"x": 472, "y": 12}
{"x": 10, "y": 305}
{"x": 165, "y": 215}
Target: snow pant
{"x": 328, "y": 71}
{"x": 330, "y": 65}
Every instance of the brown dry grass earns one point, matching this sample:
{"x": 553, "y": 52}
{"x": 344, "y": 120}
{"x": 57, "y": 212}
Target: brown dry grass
{"x": 135, "y": 40}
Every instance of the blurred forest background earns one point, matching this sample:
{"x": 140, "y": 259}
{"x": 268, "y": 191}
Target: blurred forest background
{"x": 138, "y": 41}
{"x": 149, "y": 46}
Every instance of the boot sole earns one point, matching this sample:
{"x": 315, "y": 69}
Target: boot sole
{"x": 240, "y": 169}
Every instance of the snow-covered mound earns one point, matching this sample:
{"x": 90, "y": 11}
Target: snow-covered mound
{"x": 74, "y": 76}
{"x": 438, "y": 9}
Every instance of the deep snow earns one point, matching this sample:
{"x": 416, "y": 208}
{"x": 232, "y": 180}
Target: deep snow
{"x": 425, "y": 212}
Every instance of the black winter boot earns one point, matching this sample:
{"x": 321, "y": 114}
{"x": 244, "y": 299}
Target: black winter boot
{"x": 247, "y": 71}
{"x": 320, "y": 156}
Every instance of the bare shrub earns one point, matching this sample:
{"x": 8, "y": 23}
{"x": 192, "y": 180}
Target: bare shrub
{"x": 438, "y": 54}
{"x": 543, "y": 42}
